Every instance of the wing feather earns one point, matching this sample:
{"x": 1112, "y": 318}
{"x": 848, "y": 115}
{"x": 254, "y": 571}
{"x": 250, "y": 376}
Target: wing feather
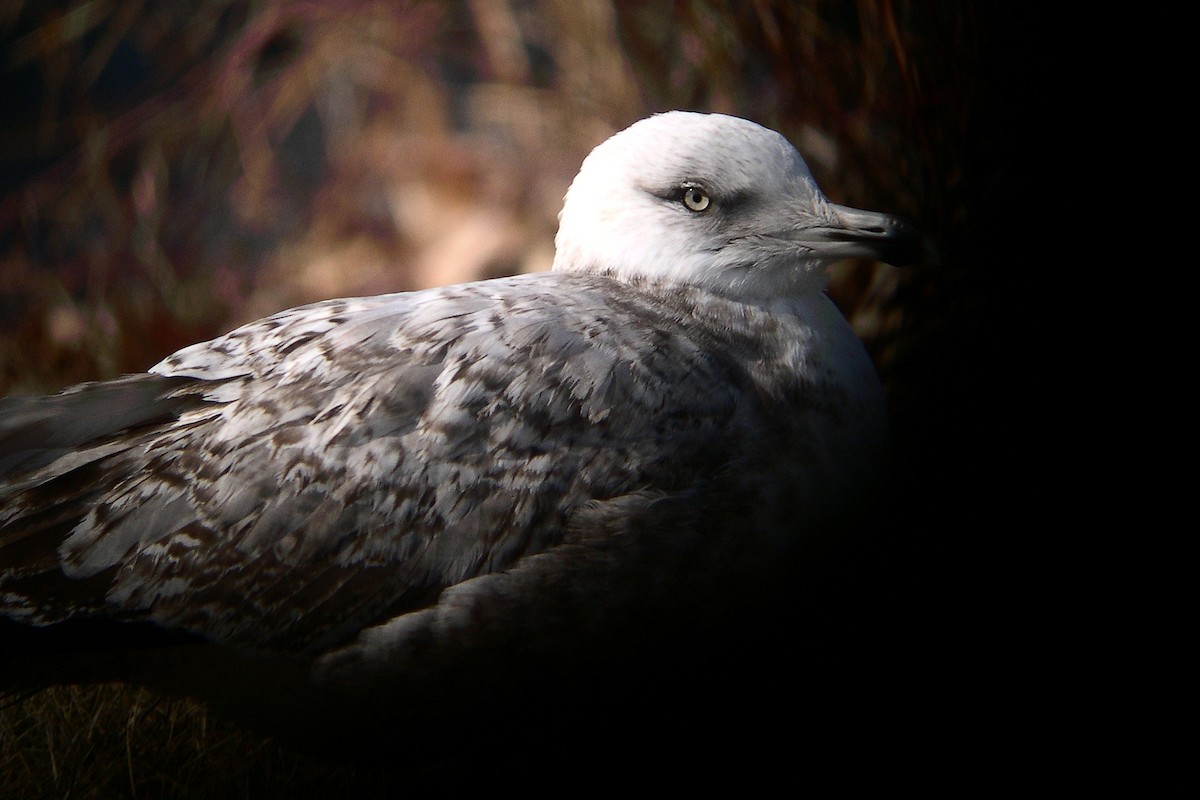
{"x": 335, "y": 465}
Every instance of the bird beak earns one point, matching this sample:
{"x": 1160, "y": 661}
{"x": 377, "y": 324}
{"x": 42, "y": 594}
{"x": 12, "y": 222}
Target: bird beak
{"x": 853, "y": 233}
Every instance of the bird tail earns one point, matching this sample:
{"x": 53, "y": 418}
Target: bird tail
{"x": 55, "y": 460}
{"x": 37, "y": 431}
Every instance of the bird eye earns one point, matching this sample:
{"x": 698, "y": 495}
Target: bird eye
{"x": 695, "y": 198}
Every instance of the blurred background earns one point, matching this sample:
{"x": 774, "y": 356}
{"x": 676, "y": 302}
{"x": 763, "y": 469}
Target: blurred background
{"x": 171, "y": 170}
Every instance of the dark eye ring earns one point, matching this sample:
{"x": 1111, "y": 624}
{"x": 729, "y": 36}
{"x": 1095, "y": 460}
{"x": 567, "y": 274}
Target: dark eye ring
{"x": 695, "y": 198}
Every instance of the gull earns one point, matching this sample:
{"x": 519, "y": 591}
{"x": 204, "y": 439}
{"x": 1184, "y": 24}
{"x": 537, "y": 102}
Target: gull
{"x": 332, "y": 517}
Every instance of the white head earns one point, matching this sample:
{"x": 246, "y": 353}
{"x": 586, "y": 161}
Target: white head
{"x": 713, "y": 201}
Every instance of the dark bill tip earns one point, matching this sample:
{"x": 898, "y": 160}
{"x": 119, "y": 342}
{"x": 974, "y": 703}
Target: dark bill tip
{"x": 880, "y": 237}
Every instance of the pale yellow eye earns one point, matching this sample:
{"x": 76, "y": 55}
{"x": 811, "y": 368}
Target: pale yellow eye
{"x": 695, "y": 198}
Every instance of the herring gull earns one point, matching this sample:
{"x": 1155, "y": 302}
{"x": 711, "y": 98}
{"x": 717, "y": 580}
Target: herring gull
{"x": 362, "y": 506}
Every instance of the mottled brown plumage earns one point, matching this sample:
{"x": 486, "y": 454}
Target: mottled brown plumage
{"x": 354, "y": 499}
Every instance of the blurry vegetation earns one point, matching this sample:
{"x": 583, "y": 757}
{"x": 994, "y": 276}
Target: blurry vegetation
{"x": 170, "y": 170}
{"x": 108, "y": 741}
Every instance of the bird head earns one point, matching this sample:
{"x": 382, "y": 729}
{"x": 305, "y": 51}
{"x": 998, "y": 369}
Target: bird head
{"x": 718, "y": 202}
